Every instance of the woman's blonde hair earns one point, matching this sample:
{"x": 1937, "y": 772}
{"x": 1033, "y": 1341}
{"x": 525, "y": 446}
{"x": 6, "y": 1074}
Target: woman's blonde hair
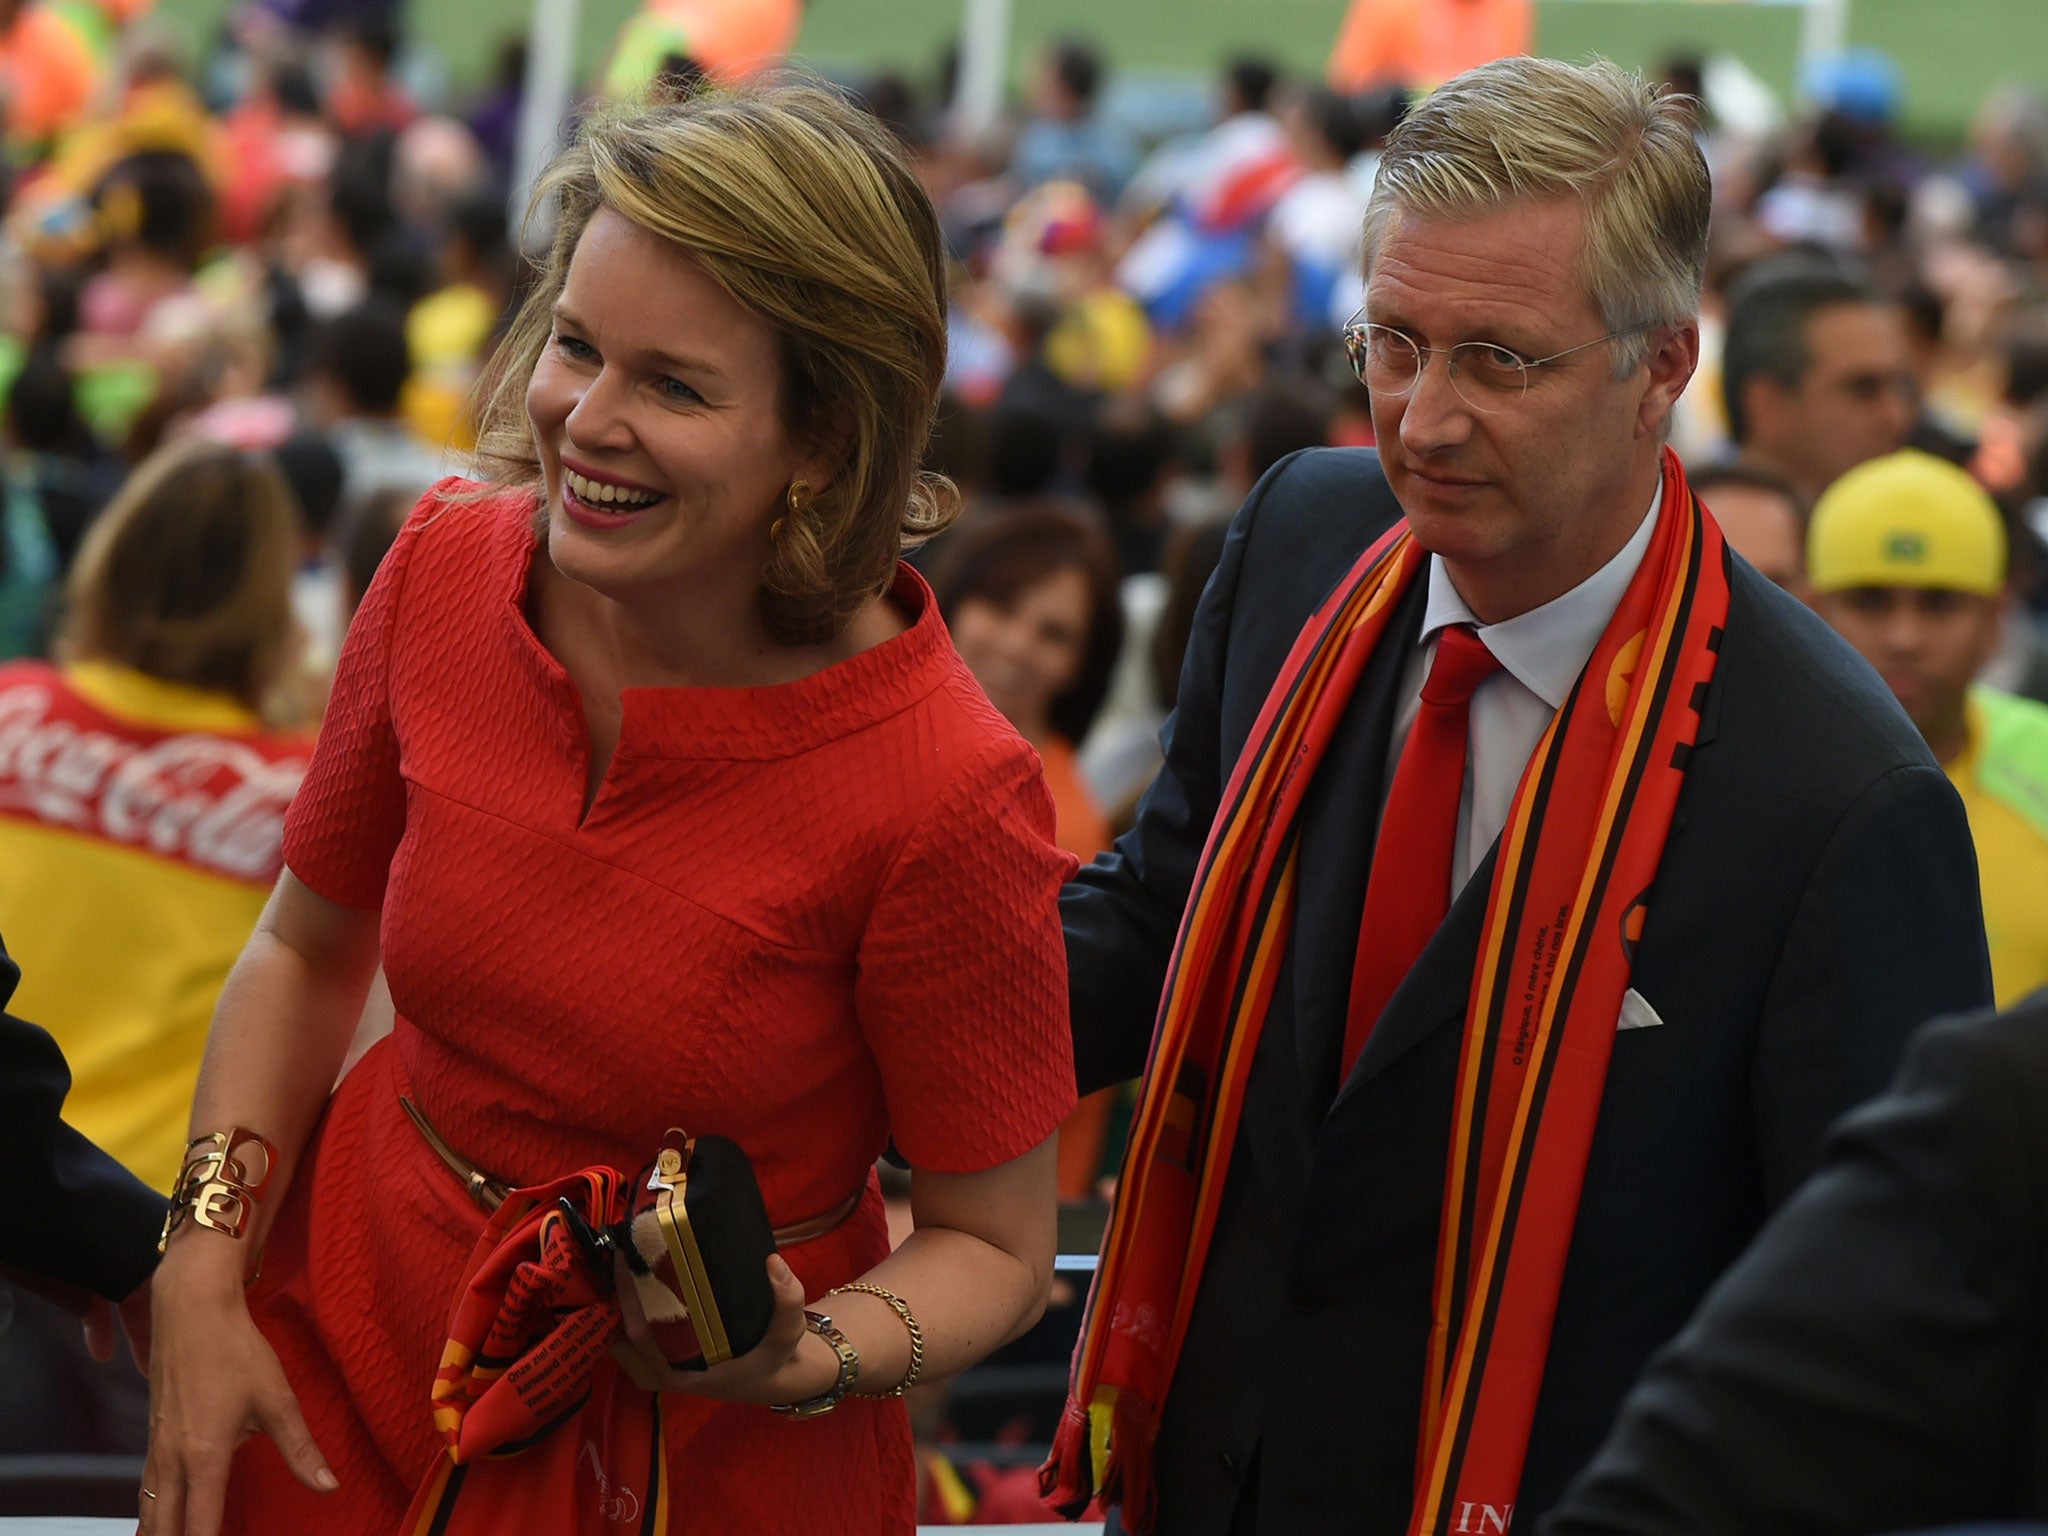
{"x": 803, "y": 208}
{"x": 187, "y": 574}
{"x": 1525, "y": 128}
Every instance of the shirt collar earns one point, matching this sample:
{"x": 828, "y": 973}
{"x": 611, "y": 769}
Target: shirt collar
{"x": 156, "y": 702}
{"x": 1546, "y": 648}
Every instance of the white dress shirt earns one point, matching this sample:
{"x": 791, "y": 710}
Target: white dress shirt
{"x": 1541, "y": 652}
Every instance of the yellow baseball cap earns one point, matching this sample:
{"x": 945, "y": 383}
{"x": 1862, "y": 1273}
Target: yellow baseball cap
{"x": 1908, "y": 519}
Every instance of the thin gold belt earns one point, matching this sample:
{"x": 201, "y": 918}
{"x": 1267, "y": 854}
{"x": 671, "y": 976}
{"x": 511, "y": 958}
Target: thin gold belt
{"x": 490, "y": 1193}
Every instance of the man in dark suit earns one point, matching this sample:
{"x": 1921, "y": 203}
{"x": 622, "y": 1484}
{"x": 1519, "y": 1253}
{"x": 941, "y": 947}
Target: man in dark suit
{"x": 1815, "y": 897}
{"x": 75, "y": 1226}
{"x": 1878, "y": 1359}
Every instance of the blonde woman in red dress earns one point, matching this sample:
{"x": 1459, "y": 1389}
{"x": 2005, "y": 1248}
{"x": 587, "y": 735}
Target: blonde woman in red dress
{"x": 652, "y": 778}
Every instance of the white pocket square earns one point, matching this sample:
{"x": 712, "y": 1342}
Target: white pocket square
{"x": 1636, "y": 1013}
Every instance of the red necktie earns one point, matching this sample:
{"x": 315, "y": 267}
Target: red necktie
{"x": 1409, "y": 889}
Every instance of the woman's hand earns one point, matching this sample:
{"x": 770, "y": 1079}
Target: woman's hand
{"x": 780, "y": 1369}
{"x": 213, "y": 1382}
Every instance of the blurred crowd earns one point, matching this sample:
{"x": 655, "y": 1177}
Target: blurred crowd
{"x": 247, "y": 298}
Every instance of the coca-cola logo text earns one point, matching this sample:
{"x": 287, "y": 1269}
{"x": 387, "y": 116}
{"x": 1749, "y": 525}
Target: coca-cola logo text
{"x": 209, "y": 801}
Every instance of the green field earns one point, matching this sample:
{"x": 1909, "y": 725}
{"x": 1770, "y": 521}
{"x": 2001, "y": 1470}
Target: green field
{"x": 1952, "y": 51}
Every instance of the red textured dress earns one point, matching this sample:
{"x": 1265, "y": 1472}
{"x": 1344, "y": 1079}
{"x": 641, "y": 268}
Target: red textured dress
{"x": 806, "y": 917}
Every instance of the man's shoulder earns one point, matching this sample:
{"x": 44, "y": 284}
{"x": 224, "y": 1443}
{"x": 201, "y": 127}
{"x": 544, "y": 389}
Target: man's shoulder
{"x": 1312, "y": 514}
{"x": 1803, "y": 694}
{"x": 1312, "y": 473}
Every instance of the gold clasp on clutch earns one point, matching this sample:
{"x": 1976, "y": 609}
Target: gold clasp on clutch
{"x": 672, "y": 1161}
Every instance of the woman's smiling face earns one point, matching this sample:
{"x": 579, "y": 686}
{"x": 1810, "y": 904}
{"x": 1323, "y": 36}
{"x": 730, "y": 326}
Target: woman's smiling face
{"x": 656, "y": 410}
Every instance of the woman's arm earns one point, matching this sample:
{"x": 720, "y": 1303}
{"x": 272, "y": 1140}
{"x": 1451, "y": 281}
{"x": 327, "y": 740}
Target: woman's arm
{"x": 282, "y": 1025}
{"x": 975, "y": 1274}
{"x": 284, "y": 1020}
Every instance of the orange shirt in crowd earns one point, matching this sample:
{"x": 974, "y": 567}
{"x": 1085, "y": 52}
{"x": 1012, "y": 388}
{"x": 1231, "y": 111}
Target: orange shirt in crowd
{"x": 1081, "y": 828}
{"x": 1425, "y": 42}
{"x": 49, "y": 72}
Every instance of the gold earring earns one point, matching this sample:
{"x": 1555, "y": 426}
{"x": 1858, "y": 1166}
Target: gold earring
{"x": 775, "y": 531}
{"x": 799, "y": 497}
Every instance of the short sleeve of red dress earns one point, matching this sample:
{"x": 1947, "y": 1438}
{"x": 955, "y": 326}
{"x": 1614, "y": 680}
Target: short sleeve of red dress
{"x": 345, "y": 822}
{"x": 962, "y": 986}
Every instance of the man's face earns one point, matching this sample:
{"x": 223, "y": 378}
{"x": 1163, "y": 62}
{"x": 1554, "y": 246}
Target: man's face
{"x": 1927, "y": 643}
{"x": 1522, "y": 496}
{"x": 1762, "y": 526}
{"x": 1855, "y": 401}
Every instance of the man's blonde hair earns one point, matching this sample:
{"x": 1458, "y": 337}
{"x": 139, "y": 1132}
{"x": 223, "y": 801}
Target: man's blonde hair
{"x": 804, "y": 209}
{"x": 1528, "y": 129}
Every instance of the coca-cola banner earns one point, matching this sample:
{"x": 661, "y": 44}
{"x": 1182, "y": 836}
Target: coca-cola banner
{"x": 215, "y": 803}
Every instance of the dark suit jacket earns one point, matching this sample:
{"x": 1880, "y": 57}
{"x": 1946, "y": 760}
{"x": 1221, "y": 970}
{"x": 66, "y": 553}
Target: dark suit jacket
{"x": 1878, "y": 1360}
{"x": 69, "y": 1211}
{"x": 1817, "y": 899}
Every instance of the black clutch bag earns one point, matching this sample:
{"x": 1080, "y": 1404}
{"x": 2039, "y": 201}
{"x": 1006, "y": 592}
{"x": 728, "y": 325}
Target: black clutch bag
{"x": 696, "y": 1241}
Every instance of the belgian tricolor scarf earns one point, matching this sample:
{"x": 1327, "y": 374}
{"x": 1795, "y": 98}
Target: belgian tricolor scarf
{"x": 528, "y": 1351}
{"x": 1577, "y": 858}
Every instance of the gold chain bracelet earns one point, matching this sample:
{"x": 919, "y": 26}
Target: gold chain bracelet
{"x": 902, "y": 1309}
{"x": 222, "y": 1178}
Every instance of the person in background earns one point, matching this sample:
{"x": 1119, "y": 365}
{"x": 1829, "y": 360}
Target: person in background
{"x": 356, "y": 370}
{"x": 1908, "y": 559}
{"x": 157, "y": 210}
{"x": 365, "y": 95}
{"x": 1425, "y": 42}
{"x": 1130, "y": 464}
{"x": 1762, "y": 518}
{"x": 1315, "y": 223}
{"x": 1258, "y": 431}
{"x": 142, "y": 795}
{"x": 1031, "y": 597}
{"x": 29, "y": 559}
{"x": 366, "y": 537}
{"x": 1815, "y": 372}
{"x": 142, "y": 803}
{"x": 312, "y": 470}
{"x": 1066, "y": 138}
{"x": 1212, "y": 196}
{"x": 55, "y": 461}
{"x": 448, "y": 333}
{"x": 50, "y": 70}
{"x": 494, "y": 115}
{"x": 1948, "y": 419}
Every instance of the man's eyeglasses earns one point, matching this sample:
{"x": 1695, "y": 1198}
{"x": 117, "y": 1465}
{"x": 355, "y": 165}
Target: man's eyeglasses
{"x": 1487, "y": 376}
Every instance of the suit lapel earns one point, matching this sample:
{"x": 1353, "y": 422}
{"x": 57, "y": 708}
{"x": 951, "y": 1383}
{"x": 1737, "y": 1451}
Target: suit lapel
{"x": 1435, "y": 991}
{"x": 1340, "y": 822}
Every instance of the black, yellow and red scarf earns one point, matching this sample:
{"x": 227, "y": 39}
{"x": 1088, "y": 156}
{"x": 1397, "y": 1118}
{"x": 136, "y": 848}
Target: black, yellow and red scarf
{"x": 1577, "y": 857}
{"x": 529, "y": 1350}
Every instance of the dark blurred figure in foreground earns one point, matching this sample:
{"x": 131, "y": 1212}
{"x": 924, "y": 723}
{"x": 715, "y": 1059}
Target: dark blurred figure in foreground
{"x": 77, "y": 1230}
{"x": 1875, "y": 1361}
